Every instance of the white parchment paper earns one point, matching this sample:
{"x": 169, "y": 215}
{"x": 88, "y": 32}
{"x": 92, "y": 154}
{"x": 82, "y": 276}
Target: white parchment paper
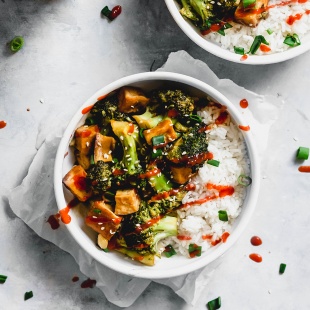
{"x": 33, "y": 201}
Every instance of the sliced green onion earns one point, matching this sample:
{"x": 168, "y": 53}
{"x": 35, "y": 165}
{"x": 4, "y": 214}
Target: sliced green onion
{"x": 141, "y": 133}
{"x": 194, "y": 250}
{"x": 97, "y": 211}
{"x": 28, "y": 295}
{"x": 109, "y": 195}
{"x": 90, "y": 121}
{"x": 169, "y": 251}
{"x": 196, "y": 118}
{"x": 269, "y": 31}
{"x": 105, "y": 250}
{"x": 222, "y": 30}
{"x": 158, "y": 140}
{"x": 92, "y": 161}
{"x": 214, "y": 304}
{"x": 115, "y": 160}
{"x": 244, "y": 180}
{"x": 106, "y": 11}
{"x": 223, "y": 216}
{"x": 213, "y": 162}
{"x": 239, "y": 50}
{"x": 16, "y": 44}
{"x": 258, "y": 40}
{"x": 302, "y": 153}
{"x": 2, "y": 278}
{"x": 247, "y": 3}
{"x": 292, "y": 40}
{"x": 282, "y": 268}
{"x": 156, "y": 153}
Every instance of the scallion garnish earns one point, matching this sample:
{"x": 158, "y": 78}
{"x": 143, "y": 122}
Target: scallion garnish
{"x": 292, "y": 40}
{"x": 158, "y": 140}
{"x": 97, "y": 211}
{"x": 282, "y": 268}
{"x": 141, "y": 133}
{"x": 106, "y": 250}
{"x": 244, "y": 180}
{"x": 2, "y": 278}
{"x": 106, "y": 11}
{"x": 214, "y": 304}
{"x": 247, "y": 3}
{"x": 194, "y": 250}
{"x": 269, "y": 31}
{"x": 223, "y": 216}
{"x": 196, "y": 118}
{"x": 302, "y": 153}
{"x": 109, "y": 195}
{"x": 239, "y": 50}
{"x": 213, "y": 162}
{"x": 92, "y": 160}
{"x": 16, "y": 44}
{"x": 28, "y": 295}
{"x": 90, "y": 121}
{"x": 222, "y": 30}
{"x": 258, "y": 40}
{"x": 156, "y": 153}
{"x": 169, "y": 251}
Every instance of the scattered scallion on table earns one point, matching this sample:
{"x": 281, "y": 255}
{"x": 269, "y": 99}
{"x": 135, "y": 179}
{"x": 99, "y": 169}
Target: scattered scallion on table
{"x": 2, "y": 278}
{"x": 213, "y": 162}
{"x": 16, "y": 44}
{"x": 302, "y": 153}
{"x": 282, "y": 268}
{"x": 28, "y": 295}
{"x": 214, "y": 304}
{"x": 244, "y": 180}
{"x": 223, "y": 216}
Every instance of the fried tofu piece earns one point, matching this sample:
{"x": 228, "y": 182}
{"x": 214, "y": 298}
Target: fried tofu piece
{"x": 251, "y": 15}
{"x": 181, "y": 174}
{"x": 104, "y": 146}
{"x": 127, "y": 202}
{"x": 163, "y": 128}
{"x": 102, "y": 219}
{"x": 75, "y": 181}
{"x": 131, "y": 99}
{"x": 85, "y": 137}
{"x": 82, "y": 159}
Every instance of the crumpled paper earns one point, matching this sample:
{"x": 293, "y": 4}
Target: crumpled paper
{"x": 33, "y": 201}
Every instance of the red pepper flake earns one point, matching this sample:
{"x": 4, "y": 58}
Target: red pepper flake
{"x": 181, "y": 237}
{"x": 75, "y": 279}
{"x": 215, "y": 242}
{"x": 2, "y": 124}
{"x": 89, "y": 283}
{"x": 257, "y": 258}
{"x": 28, "y": 109}
{"x": 225, "y": 235}
{"x": 206, "y": 237}
{"x": 87, "y": 109}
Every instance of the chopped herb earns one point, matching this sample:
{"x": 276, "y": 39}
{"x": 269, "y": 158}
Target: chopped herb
{"x": 282, "y": 268}
{"x": 292, "y": 40}
{"x": 90, "y": 121}
{"x": 97, "y": 211}
{"x": 16, "y": 44}
{"x": 28, "y": 295}
{"x": 247, "y": 3}
{"x": 258, "y": 40}
{"x": 156, "y": 153}
{"x": 302, "y": 153}
{"x": 222, "y": 30}
{"x": 214, "y": 304}
{"x": 2, "y": 278}
{"x": 244, "y": 180}
{"x": 194, "y": 250}
{"x": 169, "y": 251}
{"x": 158, "y": 140}
{"x": 195, "y": 118}
{"x": 269, "y": 31}
{"x": 141, "y": 133}
{"x": 92, "y": 161}
{"x": 239, "y": 50}
{"x": 223, "y": 216}
{"x": 213, "y": 162}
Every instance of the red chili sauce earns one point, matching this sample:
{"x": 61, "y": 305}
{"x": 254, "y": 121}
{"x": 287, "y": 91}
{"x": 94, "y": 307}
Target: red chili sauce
{"x": 256, "y": 241}
{"x": 244, "y": 103}
{"x": 257, "y": 258}
{"x": 89, "y": 283}
{"x": 2, "y": 124}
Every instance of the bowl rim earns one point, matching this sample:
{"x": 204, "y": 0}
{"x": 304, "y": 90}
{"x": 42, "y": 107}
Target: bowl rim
{"x": 218, "y": 51}
{"x": 148, "y": 272}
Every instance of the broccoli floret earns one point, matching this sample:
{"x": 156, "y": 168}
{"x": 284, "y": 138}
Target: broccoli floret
{"x": 147, "y": 119}
{"x": 100, "y": 176}
{"x": 174, "y": 100}
{"x": 187, "y": 10}
{"x": 127, "y": 133}
{"x": 203, "y": 8}
{"x": 190, "y": 145}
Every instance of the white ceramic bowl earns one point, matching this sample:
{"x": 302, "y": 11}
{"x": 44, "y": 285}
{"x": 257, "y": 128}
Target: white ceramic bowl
{"x": 193, "y": 33}
{"x": 86, "y": 238}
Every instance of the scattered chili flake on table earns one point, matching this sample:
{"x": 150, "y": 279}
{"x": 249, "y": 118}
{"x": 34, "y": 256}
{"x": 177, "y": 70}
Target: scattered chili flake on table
{"x": 89, "y": 283}
{"x": 111, "y": 14}
{"x": 75, "y": 279}
{"x": 28, "y": 295}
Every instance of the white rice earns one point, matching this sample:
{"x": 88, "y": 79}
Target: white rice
{"x": 243, "y": 36}
{"x": 227, "y": 145}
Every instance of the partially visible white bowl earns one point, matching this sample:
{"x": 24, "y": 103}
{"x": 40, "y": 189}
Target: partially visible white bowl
{"x": 194, "y": 34}
{"x": 86, "y": 238}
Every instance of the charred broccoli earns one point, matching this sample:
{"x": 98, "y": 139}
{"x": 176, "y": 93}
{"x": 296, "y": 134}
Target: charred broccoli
{"x": 147, "y": 119}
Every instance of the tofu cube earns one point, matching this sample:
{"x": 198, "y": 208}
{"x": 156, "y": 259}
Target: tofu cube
{"x": 85, "y": 137}
{"x": 127, "y": 202}
{"x": 163, "y": 128}
{"x": 131, "y": 99}
{"x": 104, "y": 146}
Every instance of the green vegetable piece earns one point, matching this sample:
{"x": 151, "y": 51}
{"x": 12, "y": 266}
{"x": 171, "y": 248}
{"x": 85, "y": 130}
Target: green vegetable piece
{"x": 223, "y": 216}
{"x": 16, "y": 44}
{"x": 213, "y": 162}
{"x": 90, "y": 121}
{"x": 3, "y": 278}
{"x": 214, "y": 304}
{"x": 269, "y": 31}
{"x": 239, "y": 50}
{"x": 302, "y": 153}
{"x": 258, "y": 40}
{"x": 196, "y": 118}
{"x": 97, "y": 211}
{"x": 292, "y": 40}
{"x": 106, "y": 250}
{"x": 247, "y": 3}
{"x": 282, "y": 268}
{"x": 158, "y": 140}
{"x": 106, "y": 11}
{"x": 194, "y": 250}
{"x": 169, "y": 251}
{"x": 244, "y": 180}
{"x": 156, "y": 153}
{"x": 28, "y": 295}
